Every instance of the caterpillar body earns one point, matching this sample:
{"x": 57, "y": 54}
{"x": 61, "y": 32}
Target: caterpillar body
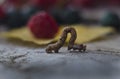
{"x": 55, "y": 47}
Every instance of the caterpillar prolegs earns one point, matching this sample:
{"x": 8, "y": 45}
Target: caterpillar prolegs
{"x": 71, "y": 45}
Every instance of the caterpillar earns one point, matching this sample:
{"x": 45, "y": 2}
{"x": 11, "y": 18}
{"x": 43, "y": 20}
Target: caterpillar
{"x": 55, "y": 47}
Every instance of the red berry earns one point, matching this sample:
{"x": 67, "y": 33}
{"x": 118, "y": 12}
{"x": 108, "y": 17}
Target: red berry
{"x": 42, "y": 25}
{"x": 44, "y": 4}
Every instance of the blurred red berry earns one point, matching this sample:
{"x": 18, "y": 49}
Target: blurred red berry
{"x": 44, "y": 4}
{"x": 42, "y": 25}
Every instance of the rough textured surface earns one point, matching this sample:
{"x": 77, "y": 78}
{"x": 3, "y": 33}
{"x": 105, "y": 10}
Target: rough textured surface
{"x": 25, "y": 61}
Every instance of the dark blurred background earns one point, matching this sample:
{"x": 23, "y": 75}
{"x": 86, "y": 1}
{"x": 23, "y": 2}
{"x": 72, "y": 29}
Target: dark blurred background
{"x": 16, "y": 13}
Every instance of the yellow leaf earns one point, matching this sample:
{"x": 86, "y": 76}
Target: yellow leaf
{"x": 84, "y": 34}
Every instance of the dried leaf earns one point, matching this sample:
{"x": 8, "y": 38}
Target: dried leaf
{"x": 84, "y": 34}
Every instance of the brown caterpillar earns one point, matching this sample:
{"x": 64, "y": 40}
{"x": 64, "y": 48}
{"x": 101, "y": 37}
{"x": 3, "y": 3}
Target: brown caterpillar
{"x": 55, "y": 47}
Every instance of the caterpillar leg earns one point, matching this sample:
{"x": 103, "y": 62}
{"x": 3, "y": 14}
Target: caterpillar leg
{"x": 49, "y": 51}
{"x": 80, "y": 48}
{"x": 84, "y": 48}
{"x": 70, "y": 47}
{"x": 56, "y": 51}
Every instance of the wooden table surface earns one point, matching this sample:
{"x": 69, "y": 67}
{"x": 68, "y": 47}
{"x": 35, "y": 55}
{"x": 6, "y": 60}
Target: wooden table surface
{"x": 26, "y": 61}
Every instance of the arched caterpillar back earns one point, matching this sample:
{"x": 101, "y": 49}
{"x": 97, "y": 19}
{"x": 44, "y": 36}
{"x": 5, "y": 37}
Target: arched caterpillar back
{"x": 55, "y": 47}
